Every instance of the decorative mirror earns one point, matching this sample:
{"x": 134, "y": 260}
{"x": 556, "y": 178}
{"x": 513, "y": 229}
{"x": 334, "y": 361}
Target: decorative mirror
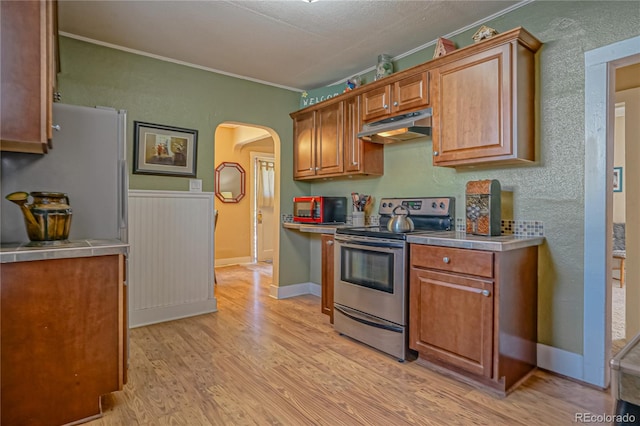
{"x": 229, "y": 182}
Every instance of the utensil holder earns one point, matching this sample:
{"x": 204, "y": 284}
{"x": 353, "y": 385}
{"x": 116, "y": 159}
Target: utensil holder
{"x": 357, "y": 218}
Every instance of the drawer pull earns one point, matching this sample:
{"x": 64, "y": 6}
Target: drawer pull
{"x": 446, "y": 260}
{"x": 486, "y": 293}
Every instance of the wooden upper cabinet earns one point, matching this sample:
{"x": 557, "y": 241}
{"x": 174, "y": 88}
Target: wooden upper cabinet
{"x": 482, "y": 99}
{"x": 304, "y": 143}
{"x": 411, "y": 93}
{"x": 27, "y": 76}
{"x": 359, "y": 156}
{"x": 326, "y": 143}
{"x": 404, "y": 95}
{"x": 330, "y": 134}
{"x": 318, "y": 142}
{"x": 376, "y": 103}
{"x": 483, "y": 107}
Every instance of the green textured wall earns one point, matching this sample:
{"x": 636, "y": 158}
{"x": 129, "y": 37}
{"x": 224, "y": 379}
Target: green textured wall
{"x": 165, "y": 93}
{"x": 551, "y": 191}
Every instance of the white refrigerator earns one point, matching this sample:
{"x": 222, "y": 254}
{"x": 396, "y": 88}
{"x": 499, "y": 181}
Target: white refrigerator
{"x": 87, "y": 162}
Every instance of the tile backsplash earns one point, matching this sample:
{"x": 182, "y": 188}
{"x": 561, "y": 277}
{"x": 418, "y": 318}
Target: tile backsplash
{"x": 519, "y": 228}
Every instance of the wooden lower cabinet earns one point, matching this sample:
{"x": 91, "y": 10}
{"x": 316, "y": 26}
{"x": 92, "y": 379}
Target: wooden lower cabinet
{"x": 327, "y": 275}
{"x": 474, "y": 313}
{"x": 63, "y": 338}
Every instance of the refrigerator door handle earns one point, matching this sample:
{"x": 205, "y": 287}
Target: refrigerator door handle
{"x": 124, "y": 176}
{"x": 123, "y": 195}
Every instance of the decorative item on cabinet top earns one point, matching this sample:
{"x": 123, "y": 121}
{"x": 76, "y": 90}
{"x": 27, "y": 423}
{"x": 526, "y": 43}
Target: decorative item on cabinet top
{"x": 384, "y": 67}
{"x": 443, "y": 46}
{"x": 483, "y": 33}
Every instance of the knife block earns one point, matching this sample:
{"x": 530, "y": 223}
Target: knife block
{"x": 483, "y": 207}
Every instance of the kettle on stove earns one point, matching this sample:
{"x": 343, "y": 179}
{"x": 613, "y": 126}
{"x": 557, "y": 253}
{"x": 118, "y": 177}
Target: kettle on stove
{"x": 400, "y": 222}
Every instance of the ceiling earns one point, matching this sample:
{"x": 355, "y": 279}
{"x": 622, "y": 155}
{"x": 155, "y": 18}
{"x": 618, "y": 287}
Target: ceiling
{"x": 293, "y": 44}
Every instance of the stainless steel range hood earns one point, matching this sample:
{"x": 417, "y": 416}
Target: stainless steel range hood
{"x": 399, "y": 128}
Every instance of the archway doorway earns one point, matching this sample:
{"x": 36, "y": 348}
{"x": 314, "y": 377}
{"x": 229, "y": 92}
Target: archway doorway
{"x": 235, "y": 235}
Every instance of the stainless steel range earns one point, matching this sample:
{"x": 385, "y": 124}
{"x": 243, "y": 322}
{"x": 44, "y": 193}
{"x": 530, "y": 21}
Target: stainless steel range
{"x": 371, "y": 285}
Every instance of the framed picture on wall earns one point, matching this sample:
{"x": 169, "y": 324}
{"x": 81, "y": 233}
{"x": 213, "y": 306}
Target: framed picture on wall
{"x": 164, "y": 150}
{"x": 617, "y": 179}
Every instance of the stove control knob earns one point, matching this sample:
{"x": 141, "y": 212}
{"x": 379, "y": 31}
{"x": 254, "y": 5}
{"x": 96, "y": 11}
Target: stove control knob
{"x": 442, "y": 205}
{"x": 390, "y": 205}
{"x": 434, "y": 205}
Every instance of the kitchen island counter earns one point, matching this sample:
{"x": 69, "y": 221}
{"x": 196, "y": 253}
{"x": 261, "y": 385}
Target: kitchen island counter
{"x": 24, "y": 252}
{"x": 474, "y": 242}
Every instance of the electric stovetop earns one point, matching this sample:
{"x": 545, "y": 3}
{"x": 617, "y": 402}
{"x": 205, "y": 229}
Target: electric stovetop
{"x": 429, "y": 214}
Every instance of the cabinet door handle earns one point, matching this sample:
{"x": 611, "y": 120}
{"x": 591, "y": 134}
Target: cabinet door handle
{"x": 395, "y": 103}
{"x": 486, "y": 293}
{"x": 385, "y": 106}
{"x": 311, "y": 168}
{"x": 446, "y": 260}
{"x": 436, "y": 153}
{"x": 56, "y": 127}
{"x": 329, "y": 243}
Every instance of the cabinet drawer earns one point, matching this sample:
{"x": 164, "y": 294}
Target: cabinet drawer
{"x": 472, "y": 262}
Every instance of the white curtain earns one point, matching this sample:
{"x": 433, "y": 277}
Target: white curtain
{"x": 266, "y": 184}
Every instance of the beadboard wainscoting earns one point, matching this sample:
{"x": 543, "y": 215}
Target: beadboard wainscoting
{"x": 171, "y": 256}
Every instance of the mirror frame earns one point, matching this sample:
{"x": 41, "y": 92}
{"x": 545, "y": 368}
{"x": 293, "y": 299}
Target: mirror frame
{"x": 219, "y": 169}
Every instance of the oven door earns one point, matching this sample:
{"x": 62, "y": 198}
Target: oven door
{"x": 370, "y": 277}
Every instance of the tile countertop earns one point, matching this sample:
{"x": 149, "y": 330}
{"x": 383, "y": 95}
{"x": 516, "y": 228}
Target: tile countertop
{"x": 444, "y": 239}
{"x": 25, "y": 252}
{"x": 474, "y": 242}
{"x": 314, "y": 229}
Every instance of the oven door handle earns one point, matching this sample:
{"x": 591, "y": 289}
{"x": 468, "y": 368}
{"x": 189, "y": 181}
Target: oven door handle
{"x": 367, "y": 320}
{"x": 380, "y": 245}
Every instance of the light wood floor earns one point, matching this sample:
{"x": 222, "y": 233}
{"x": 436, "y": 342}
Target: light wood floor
{"x": 260, "y": 361}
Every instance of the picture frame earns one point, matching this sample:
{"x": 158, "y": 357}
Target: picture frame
{"x": 617, "y": 179}
{"x": 164, "y": 150}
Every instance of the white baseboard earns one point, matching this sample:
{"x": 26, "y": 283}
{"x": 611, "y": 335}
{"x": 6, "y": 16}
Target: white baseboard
{"x": 233, "y": 261}
{"x": 142, "y": 317}
{"x": 560, "y": 361}
{"x": 294, "y": 290}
